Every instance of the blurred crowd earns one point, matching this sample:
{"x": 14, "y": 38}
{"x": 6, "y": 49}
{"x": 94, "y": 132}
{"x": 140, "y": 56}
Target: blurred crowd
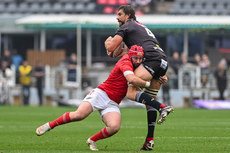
{"x": 178, "y": 62}
{"x": 17, "y": 71}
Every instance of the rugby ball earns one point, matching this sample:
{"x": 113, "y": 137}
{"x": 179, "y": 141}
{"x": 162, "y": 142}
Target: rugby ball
{"x": 119, "y": 51}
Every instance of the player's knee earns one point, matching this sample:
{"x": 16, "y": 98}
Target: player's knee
{"x": 114, "y": 128}
{"x": 130, "y": 96}
{"x": 131, "y": 93}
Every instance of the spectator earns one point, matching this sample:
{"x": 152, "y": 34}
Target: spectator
{"x": 184, "y": 60}
{"x": 72, "y": 67}
{"x": 25, "y": 79}
{"x": 5, "y": 82}
{"x": 175, "y": 64}
{"x": 7, "y": 58}
{"x": 185, "y": 65}
{"x": 205, "y": 65}
{"x": 6, "y": 72}
{"x": 221, "y": 78}
{"x": 197, "y": 59}
{"x": 39, "y": 73}
{"x": 166, "y": 87}
{"x": 17, "y": 61}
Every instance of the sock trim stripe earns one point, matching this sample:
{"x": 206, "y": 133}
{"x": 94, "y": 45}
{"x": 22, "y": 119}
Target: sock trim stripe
{"x": 152, "y": 124}
{"x": 151, "y": 109}
{"x": 150, "y": 93}
{"x": 64, "y": 118}
{"x": 104, "y": 132}
{"x": 152, "y": 90}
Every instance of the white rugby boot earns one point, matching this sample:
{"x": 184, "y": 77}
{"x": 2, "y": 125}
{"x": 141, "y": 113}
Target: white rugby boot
{"x": 43, "y": 129}
{"x": 92, "y": 145}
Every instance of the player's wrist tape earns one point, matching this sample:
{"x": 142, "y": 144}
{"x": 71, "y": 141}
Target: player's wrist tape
{"x": 129, "y": 84}
{"x": 147, "y": 84}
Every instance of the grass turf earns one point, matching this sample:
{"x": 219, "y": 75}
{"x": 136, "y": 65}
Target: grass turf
{"x": 185, "y": 131}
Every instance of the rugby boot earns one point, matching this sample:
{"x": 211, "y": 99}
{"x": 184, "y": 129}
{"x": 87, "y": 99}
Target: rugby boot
{"x": 92, "y": 145}
{"x": 42, "y": 129}
{"x": 148, "y": 145}
{"x": 164, "y": 112}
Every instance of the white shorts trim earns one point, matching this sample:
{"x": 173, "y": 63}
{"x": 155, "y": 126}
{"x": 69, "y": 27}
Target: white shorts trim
{"x": 100, "y": 101}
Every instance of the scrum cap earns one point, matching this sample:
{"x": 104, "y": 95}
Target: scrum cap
{"x": 136, "y": 50}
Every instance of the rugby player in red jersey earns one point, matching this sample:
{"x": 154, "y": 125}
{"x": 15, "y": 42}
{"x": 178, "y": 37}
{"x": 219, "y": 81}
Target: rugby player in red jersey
{"x": 105, "y": 98}
{"x": 153, "y": 67}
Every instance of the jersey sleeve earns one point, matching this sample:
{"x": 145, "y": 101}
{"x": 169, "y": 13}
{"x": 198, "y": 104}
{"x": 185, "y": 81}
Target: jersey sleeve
{"x": 122, "y": 30}
{"x": 126, "y": 66}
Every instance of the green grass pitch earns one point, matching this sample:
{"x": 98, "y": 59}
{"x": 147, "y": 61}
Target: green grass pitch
{"x": 185, "y": 131}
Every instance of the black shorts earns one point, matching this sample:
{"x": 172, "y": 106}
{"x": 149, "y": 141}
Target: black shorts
{"x": 156, "y": 67}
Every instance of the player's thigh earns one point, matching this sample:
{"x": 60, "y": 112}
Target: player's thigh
{"x": 84, "y": 109}
{"x": 112, "y": 119}
{"x": 141, "y": 72}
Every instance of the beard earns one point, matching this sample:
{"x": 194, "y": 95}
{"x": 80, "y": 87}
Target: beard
{"x": 135, "y": 65}
{"x": 120, "y": 23}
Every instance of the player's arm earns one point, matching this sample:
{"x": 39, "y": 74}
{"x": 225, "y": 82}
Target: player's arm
{"x": 111, "y": 43}
{"x": 134, "y": 80}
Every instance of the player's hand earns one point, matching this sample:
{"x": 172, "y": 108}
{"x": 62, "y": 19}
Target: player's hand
{"x": 108, "y": 42}
{"x": 163, "y": 79}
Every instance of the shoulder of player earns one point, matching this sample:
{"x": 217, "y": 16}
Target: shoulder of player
{"x": 125, "y": 61}
{"x": 125, "y": 57}
{"x": 127, "y": 24}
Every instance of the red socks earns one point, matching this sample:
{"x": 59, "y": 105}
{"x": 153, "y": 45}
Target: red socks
{"x": 149, "y": 139}
{"x": 162, "y": 106}
{"x": 61, "y": 120}
{"x": 100, "y": 135}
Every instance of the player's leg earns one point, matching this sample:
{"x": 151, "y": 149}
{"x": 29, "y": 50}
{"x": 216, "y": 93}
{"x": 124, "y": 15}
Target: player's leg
{"x": 112, "y": 119}
{"x": 82, "y": 112}
{"x": 151, "y": 118}
{"x": 151, "y": 112}
{"x": 134, "y": 93}
{"x": 144, "y": 97}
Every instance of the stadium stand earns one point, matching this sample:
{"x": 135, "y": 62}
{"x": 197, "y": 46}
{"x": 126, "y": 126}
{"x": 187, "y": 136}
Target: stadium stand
{"x": 79, "y": 7}
{"x": 11, "y": 8}
{"x": 47, "y": 7}
{"x": 34, "y": 8}
{"x": 200, "y": 7}
{"x": 57, "y": 7}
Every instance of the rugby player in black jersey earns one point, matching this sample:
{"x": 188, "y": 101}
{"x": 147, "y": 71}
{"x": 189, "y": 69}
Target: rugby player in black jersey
{"x": 153, "y": 67}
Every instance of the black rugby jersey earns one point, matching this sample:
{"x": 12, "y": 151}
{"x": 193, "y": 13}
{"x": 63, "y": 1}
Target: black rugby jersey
{"x": 135, "y": 33}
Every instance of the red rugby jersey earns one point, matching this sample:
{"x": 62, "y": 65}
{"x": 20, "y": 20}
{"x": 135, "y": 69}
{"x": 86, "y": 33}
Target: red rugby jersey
{"x": 116, "y": 84}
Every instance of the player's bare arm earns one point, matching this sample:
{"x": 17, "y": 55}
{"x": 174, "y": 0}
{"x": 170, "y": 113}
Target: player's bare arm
{"x": 136, "y": 81}
{"x": 111, "y": 43}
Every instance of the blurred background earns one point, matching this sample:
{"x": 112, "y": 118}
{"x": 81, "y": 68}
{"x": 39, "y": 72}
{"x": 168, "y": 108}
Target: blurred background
{"x": 52, "y": 51}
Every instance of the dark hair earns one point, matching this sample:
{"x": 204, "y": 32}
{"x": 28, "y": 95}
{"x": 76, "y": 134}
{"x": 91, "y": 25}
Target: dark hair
{"x": 128, "y": 10}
